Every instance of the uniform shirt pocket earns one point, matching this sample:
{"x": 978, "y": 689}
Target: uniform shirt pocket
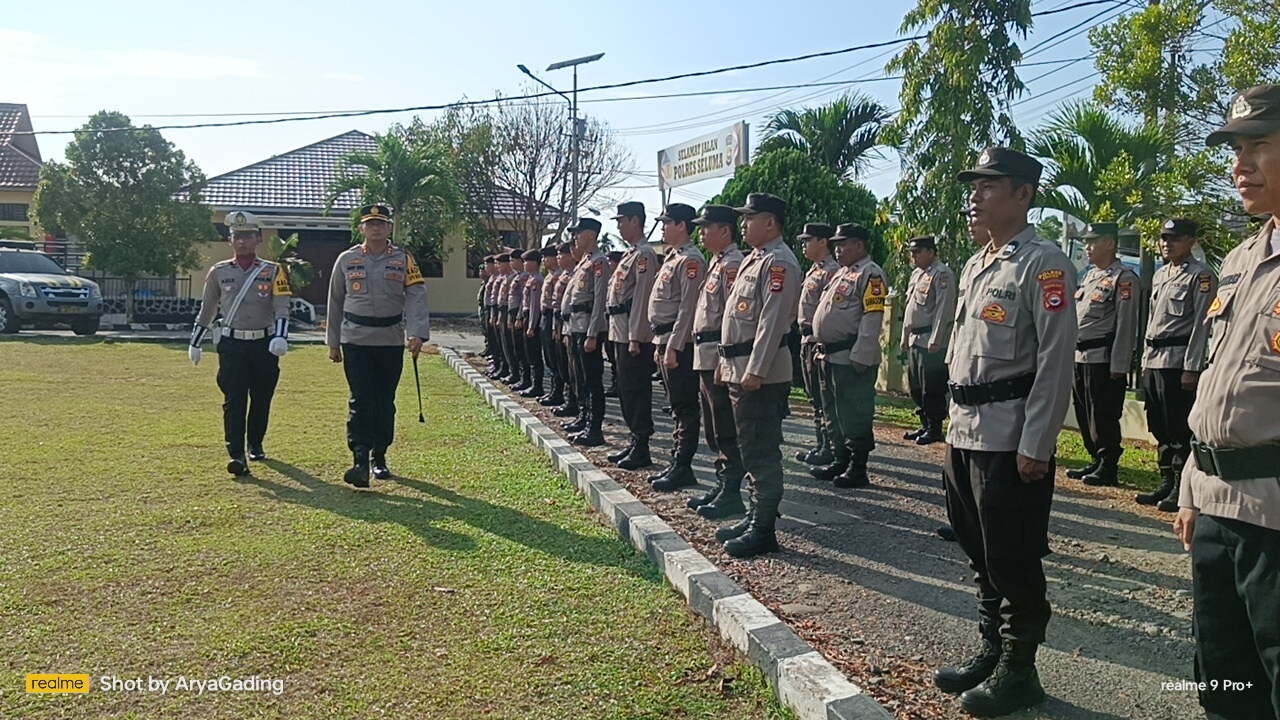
{"x": 357, "y": 282}
{"x": 1268, "y": 355}
{"x": 996, "y": 331}
{"x": 1179, "y": 300}
{"x": 394, "y": 275}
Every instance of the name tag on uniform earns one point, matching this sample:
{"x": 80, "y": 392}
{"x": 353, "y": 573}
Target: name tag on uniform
{"x": 395, "y": 276}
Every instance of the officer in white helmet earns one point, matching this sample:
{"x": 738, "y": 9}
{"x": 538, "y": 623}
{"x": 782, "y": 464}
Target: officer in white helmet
{"x": 250, "y": 297}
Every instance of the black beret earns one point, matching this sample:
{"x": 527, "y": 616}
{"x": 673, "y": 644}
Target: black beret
{"x": 1254, "y": 112}
{"x": 765, "y": 203}
{"x": 490, "y": 259}
{"x": 586, "y": 223}
{"x": 534, "y": 255}
{"x": 816, "y": 231}
{"x": 717, "y": 214}
{"x": 630, "y": 209}
{"x": 566, "y": 248}
{"x": 614, "y": 256}
{"x": 551, "y": 250}
{"x": 1003, "y": 162}
{"x": 678, "y": 212}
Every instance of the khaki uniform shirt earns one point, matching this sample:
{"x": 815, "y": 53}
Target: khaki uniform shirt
{"x": 815, "y": 281}
{"x": 1180, "y": 297}
{"x": 547, "y": 300}
{"x": 852, "y": 306}
{"x": 515, "y": 295}
{"x": 491, "y": 290}
{"x": 1239, "y": 393}
{"x": 761, "y": 307}
{"x": 675, "y": 295}
{"x": 588, "y": 291}
{"x": 262, "y": 305}
{"x": 560, "y": 301}
{"x": 531, "y": 305}
{"x": 632, "y": 283}
{"x": 931, "y": 307}
{"x": 382, "y": 285}
{"x": 1014, "y": 317}
{"x": 1107, "y": 304}
{"x": 708, "y": 314}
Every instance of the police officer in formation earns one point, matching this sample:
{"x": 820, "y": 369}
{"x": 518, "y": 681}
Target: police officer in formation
{"x": 756, "y": 363}
{"x": 572, "y": 403}
{"x": 671, "y": 312}
{"x": 529, "y": 324}
{"x": 377, "y": 308}
{"x": 1229, "y": 502}
{"x": 252, "y": 296}
{"x": 1009, "y": 362}
{"x": 515, "y": 326}
{"x": 926, "y": 331}
{"x": 546, "y": 329}
{"x": 493, "y": 325}
{"x": 718, "y": 232}
{"x": 509, "y": 366}
{"x": 589, "y": 330}
{"x": 1177, "y": 339}
{"x": 614, "y": 257}
{"x": 1107, "y": 311}
{"x": 482, "y": 302}
{"x": 823, "y": 268}
{"x": 847, "y": 326}
{"x": 631, "y": 335}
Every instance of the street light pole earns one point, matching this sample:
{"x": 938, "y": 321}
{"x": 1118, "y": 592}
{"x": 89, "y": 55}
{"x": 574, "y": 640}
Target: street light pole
{"x": 579, "y": 126}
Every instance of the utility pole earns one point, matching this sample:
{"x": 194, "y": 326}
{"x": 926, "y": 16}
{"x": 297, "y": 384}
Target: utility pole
{"x": 578, "y": 125}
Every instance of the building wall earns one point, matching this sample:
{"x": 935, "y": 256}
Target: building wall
{"x": 22, "y": 197}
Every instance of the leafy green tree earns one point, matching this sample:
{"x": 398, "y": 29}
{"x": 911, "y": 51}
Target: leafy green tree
{"x": 841, "y": 135}
{"x": 285, "y": 252}
{"x": 1050, "y": 228}
{"x": 957, "y": 87}
{"x": 116, "y": 192}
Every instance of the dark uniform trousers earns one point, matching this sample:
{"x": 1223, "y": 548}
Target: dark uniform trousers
{"x": 611, "y": 354}
{"x": 927, "y": 377}
{"x": 550, "y": 359}
{"x": 722, "y": 433}
{"x": 590, "y": 367}
{"x": 682, "y": 394}
{"x": 247, "y": 376}
{"x": 504, "y": 339}
{"x": 758, "y": 416}
{"x": 811, "y": 371}
{"x": 1236, "y": 620}
{"x": 532, "y": 353}
{"x": 521, "y": 368}
{"x": 635, "y": 388}
{"x": 1168, "y": 406}
{"x": 850, "y": 400}
{"x": 572, "y": 373}
{"x": 1002, "y": 524}
{"x": 1099, "y": 403}
{"x": 373, "y": 374}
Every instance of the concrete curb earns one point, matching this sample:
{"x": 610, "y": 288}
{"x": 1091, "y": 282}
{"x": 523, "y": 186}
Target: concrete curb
{"x": 803, "y": 680}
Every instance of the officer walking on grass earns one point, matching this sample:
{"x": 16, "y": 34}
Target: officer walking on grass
{"x": 252, "y": 296}
{"x": 926, "y": 330}
{"x": 824, "y": 268}
{"x": 377, "y": 308}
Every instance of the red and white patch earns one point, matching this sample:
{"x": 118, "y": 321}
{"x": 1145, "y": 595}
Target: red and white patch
{"x": 599, "y": 266}
{"x": 730, "y": 275}
{"x": 1126, "y": 290}
{"x": 876, "y": 287}
{"x": 994, "y": 312}
{"x": 843, "y": 287}
{"x": 1053, "y": 294}
{"x": 691, "y": 269}
{"x": 777, "y": 278}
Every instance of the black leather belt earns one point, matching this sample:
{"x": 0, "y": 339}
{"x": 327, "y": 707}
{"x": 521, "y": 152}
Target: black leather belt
{"x": 992, "y": 392}
{"x": 580, "y": 307}
{"x": 1231, "y": 464}
{"x": 564, "y": 317}
{"x": 806, "y": 330}
{"x": 706, "y": 337}
{"x": 622, "y": 309}
{"x": 743, "y": 349}
{"x": 1179, "y": 341}
{"x": 367, "y": 321}
{"x": 662, "y": 329}
{"x": 1105, "y": 341}
{"x": 837, "y": 346}
{"x": 921, "y": 330}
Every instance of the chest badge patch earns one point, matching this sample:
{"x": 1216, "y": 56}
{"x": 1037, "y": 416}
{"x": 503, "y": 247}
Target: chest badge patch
{"x": 1275, "y": 343}
{"x": 994, "y": 312}
{"x": 742, "y": 306}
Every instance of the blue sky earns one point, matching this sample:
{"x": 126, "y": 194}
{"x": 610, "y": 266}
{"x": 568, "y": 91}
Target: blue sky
{"x": 66, "y": 60}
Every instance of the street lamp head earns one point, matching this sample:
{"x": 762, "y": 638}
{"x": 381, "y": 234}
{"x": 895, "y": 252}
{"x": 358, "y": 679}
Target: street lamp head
{"x": 575, "y": 61}
{"x": 524, "y": 69}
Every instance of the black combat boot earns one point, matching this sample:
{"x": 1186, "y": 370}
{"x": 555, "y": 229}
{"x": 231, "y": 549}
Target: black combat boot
{"x": 534, "y": 390}
{"x": 680, "y": 475}
{"x": 709, "y": 496}
{"x": 358, "y": 473}
{"x": 1170, "y": 503}
{"x": 837, "y": 467}
{"x": 576, "y": 425}
{"x": 615, "y": 457}
{"x": 932, "y": 434}
{"x": 637, "y": 457}
{"x": 592, "y": 435}
{"x": 1107, "y": 474}
{"x": 856, "y": 475}
{"x": 956, "y": 680}
{"x": 238, "y": 465}
{"x": 1160, "y": 493}
{"x": 728, "y": 503}
{"x": 913, "y": 434}
{"x": 555, "y": 398}
{"x": 566, "y": 410}
{"x": 1079, "y": 473}
{"x": 380, "y": 469}
{"x": 1013, "y": 685}
{"x": 758, "y": 539}
{"x": 729, "y": 532}
{"x": 946, "y": 532}
{"x": 256, "y": 453}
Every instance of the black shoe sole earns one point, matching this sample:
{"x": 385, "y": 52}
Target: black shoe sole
{"x": 743, "y": 552}
{"x": 716, "y": 512}
{"x": 957, "y": 688}
{"x": 237, "y": 468}
{"x": 382, "y": 474}
{"x": 664, "y": 486}
{"x": 628, "y": 464}
{"x": 356, "y": 476}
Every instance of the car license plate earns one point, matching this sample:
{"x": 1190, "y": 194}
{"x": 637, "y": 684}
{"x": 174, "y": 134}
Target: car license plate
{"x": 70, "y": 309}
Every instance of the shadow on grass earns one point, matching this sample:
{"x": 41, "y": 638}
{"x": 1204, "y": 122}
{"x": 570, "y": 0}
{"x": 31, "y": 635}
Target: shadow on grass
{"x": 422, "y": 516}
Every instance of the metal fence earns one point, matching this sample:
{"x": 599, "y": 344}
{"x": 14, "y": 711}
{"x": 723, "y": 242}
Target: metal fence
{"x": 113, "y": 287}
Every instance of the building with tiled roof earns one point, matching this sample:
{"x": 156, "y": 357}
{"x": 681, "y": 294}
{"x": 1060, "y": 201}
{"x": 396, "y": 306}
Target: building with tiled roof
{"x": 20, "y": 165}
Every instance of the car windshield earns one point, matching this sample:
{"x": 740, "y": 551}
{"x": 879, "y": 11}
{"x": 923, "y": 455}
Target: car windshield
{"x": 28, "y": 262}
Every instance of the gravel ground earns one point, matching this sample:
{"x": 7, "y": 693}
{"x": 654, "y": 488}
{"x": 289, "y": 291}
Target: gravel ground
{"x": 863, "y": 577}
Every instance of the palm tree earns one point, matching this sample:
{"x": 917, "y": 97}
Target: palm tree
{"x": 413, "y": 177}
{"x": 1097, "y": 163}
{"x": 841, "y": 135}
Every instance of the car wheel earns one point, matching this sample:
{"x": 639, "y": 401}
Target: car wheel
{"x": 85, "y": 326}
{"x": 8, "y": 321}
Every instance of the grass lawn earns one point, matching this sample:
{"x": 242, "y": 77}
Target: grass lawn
{"x": 475, "y": 584}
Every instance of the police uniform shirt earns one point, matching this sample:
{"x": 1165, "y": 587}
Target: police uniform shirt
{"x": 675, "y": 296}
{"x": 632, "y": 284}
{"x": 515, "y": 294}
{"x": 1239, "y": 392}
{"x": 1014, "y": 317}
{"x": 761, "y": 307}
{"x": 587, "y": 292}
{"x": 1107, "y": 304}
{"x": 549, "y": 283}
{"x": 815, "y": 281}
{"x": 1180, "y": 298}
{"x": 491, "y": 289}
{"x": 377, "y": 286}
{"x": 709, "y": 311}
{"x": 531, "y": 305}
{"x": 852, "y": 306}
{"x": 264, "y": 303}
{"x": 931, "y": 305}
{"x": 560, "y": 300}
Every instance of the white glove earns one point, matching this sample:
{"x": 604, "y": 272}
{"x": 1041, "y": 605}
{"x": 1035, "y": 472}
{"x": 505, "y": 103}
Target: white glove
{"x": 193, "y": 352}
{"x": 278, "y": 346}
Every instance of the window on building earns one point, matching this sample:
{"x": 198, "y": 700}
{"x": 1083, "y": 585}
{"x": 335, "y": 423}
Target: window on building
{"x": 14, "y": 212}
